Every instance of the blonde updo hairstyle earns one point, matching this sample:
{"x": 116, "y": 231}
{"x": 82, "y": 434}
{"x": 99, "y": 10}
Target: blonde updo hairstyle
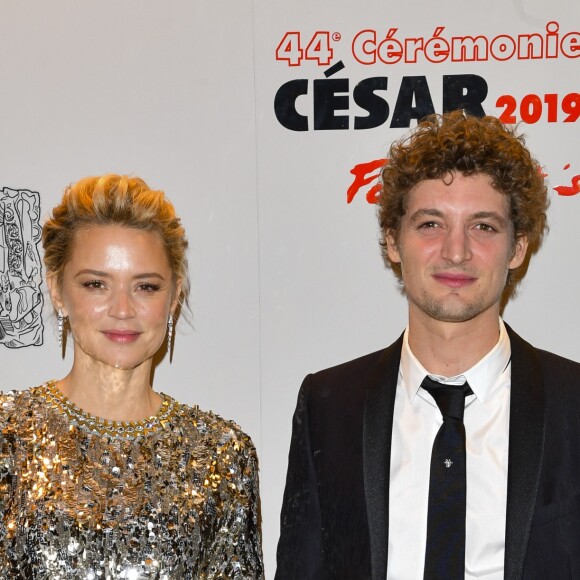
{"x": 114, "y": 200}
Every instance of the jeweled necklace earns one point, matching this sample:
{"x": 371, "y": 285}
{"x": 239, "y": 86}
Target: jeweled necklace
{"x": 106, "y": 427}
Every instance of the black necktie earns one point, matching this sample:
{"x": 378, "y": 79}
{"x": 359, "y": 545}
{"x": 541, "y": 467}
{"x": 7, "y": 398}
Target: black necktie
{"x": 445, "y": 548}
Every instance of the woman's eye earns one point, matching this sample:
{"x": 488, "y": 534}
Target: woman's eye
{"x": 94, "y": 284}
{"x": 149, "y": 287}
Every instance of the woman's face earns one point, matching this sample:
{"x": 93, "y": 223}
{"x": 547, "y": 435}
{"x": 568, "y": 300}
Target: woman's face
{"x": 117, "y": 290}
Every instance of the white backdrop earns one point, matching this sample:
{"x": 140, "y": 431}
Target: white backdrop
{"x": 286, "y": 275}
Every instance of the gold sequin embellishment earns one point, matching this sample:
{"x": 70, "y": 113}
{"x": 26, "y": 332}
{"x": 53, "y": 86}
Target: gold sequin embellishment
{"x": 173, "y": 497}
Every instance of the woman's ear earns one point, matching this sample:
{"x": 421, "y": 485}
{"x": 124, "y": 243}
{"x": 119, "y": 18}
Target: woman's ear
{"x": 176, "y": 297}
{"x": 54, "y": 290}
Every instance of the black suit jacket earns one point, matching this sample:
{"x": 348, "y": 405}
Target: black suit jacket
{"x": 334, "y": 522}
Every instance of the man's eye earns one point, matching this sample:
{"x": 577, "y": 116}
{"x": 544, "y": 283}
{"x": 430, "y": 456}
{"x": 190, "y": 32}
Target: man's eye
{"x": 485, "y": 228}
{"x": 429, "y": 225}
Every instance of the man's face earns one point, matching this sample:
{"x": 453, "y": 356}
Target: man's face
{"x": 455, "y": 247}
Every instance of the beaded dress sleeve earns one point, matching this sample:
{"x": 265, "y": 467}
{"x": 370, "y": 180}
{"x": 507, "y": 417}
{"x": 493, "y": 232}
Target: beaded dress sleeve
{"x": 234, "y": 550}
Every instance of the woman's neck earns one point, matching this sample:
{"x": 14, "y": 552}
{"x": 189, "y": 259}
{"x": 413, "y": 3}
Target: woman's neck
{"x": 109, "y": 393}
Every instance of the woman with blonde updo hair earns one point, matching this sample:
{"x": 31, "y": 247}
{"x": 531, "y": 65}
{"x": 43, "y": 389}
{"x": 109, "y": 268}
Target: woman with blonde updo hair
{"x": 101, "y": 477}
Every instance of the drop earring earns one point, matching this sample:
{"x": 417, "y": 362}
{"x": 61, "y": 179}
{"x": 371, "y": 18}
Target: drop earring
{"x": 169, "y": 331}
{"x": 60, "y": 319}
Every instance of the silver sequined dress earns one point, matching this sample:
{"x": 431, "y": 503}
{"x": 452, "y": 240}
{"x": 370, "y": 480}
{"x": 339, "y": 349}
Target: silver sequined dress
{"x": 172, "y": 497}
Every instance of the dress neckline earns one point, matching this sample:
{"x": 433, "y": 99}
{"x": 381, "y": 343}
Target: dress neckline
{"x": 105, "y": 427}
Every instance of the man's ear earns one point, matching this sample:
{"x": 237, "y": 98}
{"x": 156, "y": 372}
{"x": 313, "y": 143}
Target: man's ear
{"x": 392, "y": 248}
{"x": 519, "y": 252}
{"x": 54, "y": 290}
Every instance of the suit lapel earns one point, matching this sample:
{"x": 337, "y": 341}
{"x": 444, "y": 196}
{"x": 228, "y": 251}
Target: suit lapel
{"x": 526, "y": 446}
{"x": 377, "y": 432}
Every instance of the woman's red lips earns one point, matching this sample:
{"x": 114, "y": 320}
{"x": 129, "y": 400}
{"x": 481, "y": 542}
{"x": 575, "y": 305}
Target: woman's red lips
{"x": 121, "y": 336}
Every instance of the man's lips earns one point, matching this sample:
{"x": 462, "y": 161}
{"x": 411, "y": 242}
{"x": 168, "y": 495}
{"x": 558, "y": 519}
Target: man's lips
{"x": 454, "y": 280}
{"x": 122, "y": 336}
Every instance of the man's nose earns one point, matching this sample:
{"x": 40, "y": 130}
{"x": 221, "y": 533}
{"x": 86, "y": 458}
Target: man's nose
{"x": 456, "y": 246}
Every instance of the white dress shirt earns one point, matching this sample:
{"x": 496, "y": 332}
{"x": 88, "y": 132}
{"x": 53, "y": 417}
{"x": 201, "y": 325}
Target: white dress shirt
{"x": 415, "y": 424}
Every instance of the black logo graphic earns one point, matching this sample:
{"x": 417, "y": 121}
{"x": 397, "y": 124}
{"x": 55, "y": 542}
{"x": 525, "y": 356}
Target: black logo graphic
{"x": 20, "y": 269}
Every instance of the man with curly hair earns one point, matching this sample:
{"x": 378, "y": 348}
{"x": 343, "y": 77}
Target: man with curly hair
{"x": 455, "y": 452}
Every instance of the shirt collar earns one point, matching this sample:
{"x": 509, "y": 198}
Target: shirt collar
{"x": 482, "y": 377}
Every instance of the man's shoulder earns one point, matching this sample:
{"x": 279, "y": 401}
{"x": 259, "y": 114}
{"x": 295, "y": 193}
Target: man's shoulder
{"x": 367, "y": 363}
{"x": 551, "y": 362}
{"x": 350, "y": 367}
{"x": 561, "y": 379}
{"x": 558, "y": 363}
{"x": 559, "y": 376}
{"x": 354, "y": 376}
